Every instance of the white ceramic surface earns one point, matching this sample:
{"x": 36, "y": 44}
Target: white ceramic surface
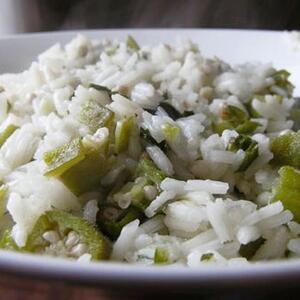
{"x": 235, "y": 46}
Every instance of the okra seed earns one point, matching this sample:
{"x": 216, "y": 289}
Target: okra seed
{"x": 51, "y": 236}
{"x": 150, "y": 192}
{"x": 79, "y": 250}
{"x": 72, "y": 239}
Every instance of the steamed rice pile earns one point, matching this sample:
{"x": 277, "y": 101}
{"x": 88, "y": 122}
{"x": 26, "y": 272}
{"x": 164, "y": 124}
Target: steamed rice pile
{"x": 202, "y": 129}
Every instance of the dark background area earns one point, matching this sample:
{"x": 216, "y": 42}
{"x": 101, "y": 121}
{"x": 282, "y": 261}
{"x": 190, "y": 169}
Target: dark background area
{"x": 78, "y": 14}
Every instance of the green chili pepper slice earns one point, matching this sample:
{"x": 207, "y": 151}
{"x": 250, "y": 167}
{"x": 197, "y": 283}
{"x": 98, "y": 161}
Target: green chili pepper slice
{"x": 62, "y": 222}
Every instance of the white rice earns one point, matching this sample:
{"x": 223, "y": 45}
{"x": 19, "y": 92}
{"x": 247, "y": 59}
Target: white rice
{"x": 201, "y": 207}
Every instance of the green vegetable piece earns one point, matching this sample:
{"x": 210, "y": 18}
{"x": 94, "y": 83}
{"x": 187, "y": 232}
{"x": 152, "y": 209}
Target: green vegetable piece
{"x": 249, "y": 146}
{"x": 63, "y": 222}
{"x": 6, "y": 133}
{"x": 286, "y": 149}
{"x": 170, "y": 131}
{"x": 95, "y": 116}
{"x": 86, "y": 175}
{"x": 207, "y": 256}
{"x": 161, "y": 256}
{"x": 111, "y": 219}
{"x": 250, "y": 249}
{"x": 288, "y": 190}
{"x": 123, "y": 132}
{"x": 80, "y": 166}
{"x": 135, "y": 192}
{"x": 281, "y": 79}
{"x": 147, "y": 168}
{"x": 63, "y": 158}
{"x": 7, "y": 242}
{"x": 233, "y": 115}
{"x": 247, "y": 127}
{"x": 235, "y": 118}
{"x": 3, "y": 191}
{"x": 132, "y": 44}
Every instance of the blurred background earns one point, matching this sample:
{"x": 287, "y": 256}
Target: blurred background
{"x": 18, "y": 16}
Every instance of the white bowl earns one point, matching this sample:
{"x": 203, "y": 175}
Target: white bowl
{"x": 234, "y": 46}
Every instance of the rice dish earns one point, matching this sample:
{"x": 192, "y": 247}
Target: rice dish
{"x": 149, "y": 155}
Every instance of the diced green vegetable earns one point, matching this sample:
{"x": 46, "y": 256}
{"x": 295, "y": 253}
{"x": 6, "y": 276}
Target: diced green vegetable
{"x": 132, "y": 44}
{"x": 87, "y": 174}
{"x": 147, "y": 168}
{"x": 111, "y": 219}
{"x": 7, "y": 242}
{"x": 63, "y": 222}
{"x": 95, "y": 116}
{"x": 80, "y": 166}
{"x": 281, "y": 79}
{"x": 123, "y": 132}
{"x": 171, "y": 132}
{"x": 207, "y": 256}
{"x": 135, "y": 192}
{"x": 63, "y": 158}
{"x": 161, "y": 256}
{"x": 286, "y": 149}
{"x": 235, "y": 118}
{"x": 3, "y": 191}
{"x": 288, "y": 190}
{"x": 6, "y": 133}
{"x": 249, "y": 146}
{"x": 250, "y": 249}
{"x": 247, "y": 127}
